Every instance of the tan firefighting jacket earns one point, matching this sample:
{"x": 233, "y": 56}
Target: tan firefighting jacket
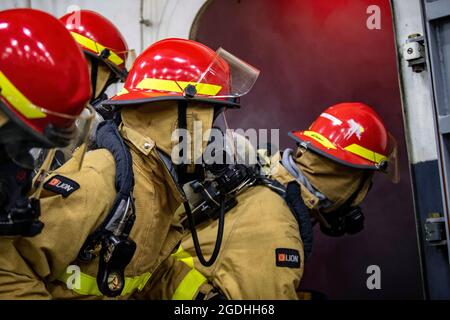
{"x": 261, "y": 223}
{"x": 248, "y": 265}
{"x": 40, "y": 267}
{"x": 261, "y": 256}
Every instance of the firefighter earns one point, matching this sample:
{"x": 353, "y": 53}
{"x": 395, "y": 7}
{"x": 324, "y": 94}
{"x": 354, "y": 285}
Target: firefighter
{"x": 108, "y": 58}
{"x": 110, "y": 226}
{"x": 40, "y": 102}
{"x": 264, "y": 244}
{"x": 105, "y": 48}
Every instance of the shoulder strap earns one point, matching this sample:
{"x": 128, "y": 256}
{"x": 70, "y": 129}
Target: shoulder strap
{"x": 292, "y": 197}
{"x": 108, "y": 137}
{"x": 111, "y": 236}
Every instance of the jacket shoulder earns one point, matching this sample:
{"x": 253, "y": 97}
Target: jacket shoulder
{"x": 97, "y": 174}
{"x": 100, "y": 160}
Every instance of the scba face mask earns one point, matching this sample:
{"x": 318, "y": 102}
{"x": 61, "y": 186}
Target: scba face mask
{"x": 21, "y": 162}
{"x": 19, "y": 215}
{"x": 344, "y": 221}
{"x": 341, "y": 189}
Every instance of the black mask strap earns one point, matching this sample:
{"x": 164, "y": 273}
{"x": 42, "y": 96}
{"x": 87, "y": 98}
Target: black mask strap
{"x": 19, "y": 215}
{"x": 94, "y": 73}
{"x": 182, "y": 125}
{"x": 347, "y": 218}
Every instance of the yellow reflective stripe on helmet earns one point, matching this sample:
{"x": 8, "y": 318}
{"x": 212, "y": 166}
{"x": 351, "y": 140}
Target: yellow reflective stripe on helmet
{"x": 189, "y": 286}
{"x": 96, "y": 47}
{"x": 320, "y": 138}
{"x": 18, "y": 101}
{"x": 123, "y": 91}
{"x": 366, "y": 153}
{"x": 184, "y": 256}
{"x": 88, "y": 284}
{"x": 178, "y": 86}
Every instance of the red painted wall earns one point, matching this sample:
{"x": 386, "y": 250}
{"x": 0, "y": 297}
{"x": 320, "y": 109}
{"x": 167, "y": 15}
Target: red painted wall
{"x": 312, "y": 54}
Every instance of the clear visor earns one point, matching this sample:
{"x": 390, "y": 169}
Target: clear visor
{"x": 391, "y": 166}
{"x": 24, "y": 153}
{"x": 237, "y": 77}
{"x": 227, "y": 146}
{"x": 66, "y": 160}
{"x": 131, "y": 58}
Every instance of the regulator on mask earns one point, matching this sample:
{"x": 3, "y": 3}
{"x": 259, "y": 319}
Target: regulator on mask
{"x": 225, "y": 178}
{"x": 220, "y": 192}
{"x": 347, "y": 219}
{"x": 344, "y": 221}
{"x": 25, "y": 163}
{"x": 19, "y": 215}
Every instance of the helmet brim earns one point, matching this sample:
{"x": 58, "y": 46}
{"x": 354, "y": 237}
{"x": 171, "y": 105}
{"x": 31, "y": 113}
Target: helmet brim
{"x": 339, "y": 155}
{"x": 131, "y": 98}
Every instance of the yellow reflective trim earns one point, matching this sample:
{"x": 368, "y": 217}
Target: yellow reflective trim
{"x": 134, "y": 283}
{"x": 18, "y": 101}
{"x": 178, "y": 86}
{"x": 184, "y": 256}
{"x": 88, "y": 284}
{"x": 159, "y": 84}
{"x": 123, "y": 91}
{"x": 320, "y": 138}
{"x": 189, "y": 286}
{"x": 96, "y": 47}
{"x": 366, "y": 153}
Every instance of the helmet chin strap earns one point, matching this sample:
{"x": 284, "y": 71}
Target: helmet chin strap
{"x": 94, "y": 73}
{"x": 182, "y": 125}
{"x": 185, "y": 176}
{"x": 186, "y": 172}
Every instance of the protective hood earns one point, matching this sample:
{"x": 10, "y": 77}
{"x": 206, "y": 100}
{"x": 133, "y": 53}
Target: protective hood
{"x": 280, "y": 174}
{"x": 3, "y": 119}
{"x": 159, "y": 120}
{"x": 103, "y": 76}
{"x": 336, "y": 181}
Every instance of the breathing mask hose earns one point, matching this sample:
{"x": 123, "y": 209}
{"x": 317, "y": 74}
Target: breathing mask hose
{"x": 219, "y": 237}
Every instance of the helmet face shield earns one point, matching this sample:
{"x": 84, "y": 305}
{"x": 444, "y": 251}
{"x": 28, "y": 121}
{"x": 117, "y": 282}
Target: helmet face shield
{"x": 53, "y": 161}
{"x": 391, "y": 167}
{"x": 77, "y": 147}
{"x": 221, "y": 148}
{"x": 228, "y": 146}
{"x": 23, "y": 151}
{"x": 131, "y": 58}
{"x": 227, "y": 76}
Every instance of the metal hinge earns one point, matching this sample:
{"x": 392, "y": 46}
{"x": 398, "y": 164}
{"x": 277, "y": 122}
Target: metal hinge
{"x": 146, "y": 22}
{"x": 414, "y": 52}
{"x": 435, "y": 230}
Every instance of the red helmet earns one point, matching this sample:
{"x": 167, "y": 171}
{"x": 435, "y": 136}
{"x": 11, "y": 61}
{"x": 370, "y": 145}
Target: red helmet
{"x": 178, "y": 69}
{"x": 44, "y": 78}
{"x": 99, "y": 38}
{"x": 350, "y": 133}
